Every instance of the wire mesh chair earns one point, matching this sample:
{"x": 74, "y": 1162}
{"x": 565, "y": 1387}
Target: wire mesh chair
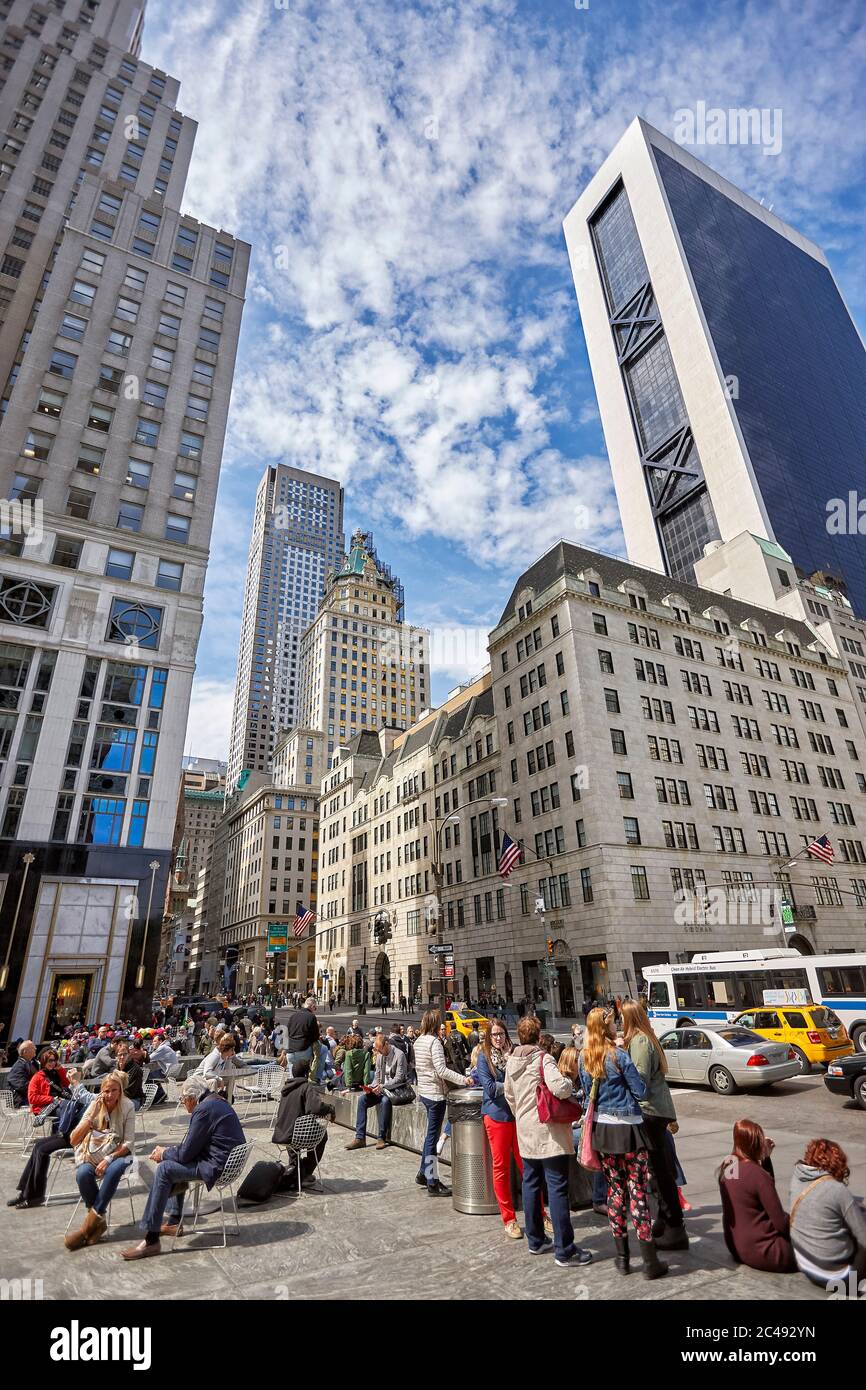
{"x": 151, "y": 1091}
{"x": 56, "y": 1163}
{"x": 263, "y": 1088}
{"x": 307, "y": 1134}
{"x": 225, "y": 1183}
{"x": 11, "y": 1113}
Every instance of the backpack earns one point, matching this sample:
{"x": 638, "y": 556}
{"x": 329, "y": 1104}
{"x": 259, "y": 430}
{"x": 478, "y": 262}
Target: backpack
{"x": 262, "y": 1181}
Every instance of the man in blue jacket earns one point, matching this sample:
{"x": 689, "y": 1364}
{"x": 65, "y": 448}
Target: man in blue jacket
{"x": 214, "y": 1130}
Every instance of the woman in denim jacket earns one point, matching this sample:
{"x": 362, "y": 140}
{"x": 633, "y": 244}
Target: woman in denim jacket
{"x": 609, "y": 1074}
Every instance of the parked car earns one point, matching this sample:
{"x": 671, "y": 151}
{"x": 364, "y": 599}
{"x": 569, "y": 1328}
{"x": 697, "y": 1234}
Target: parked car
{"x": 847, "y": 1077}
{"x": 728, "y": 1059}
{"x": 814, "y": 1031}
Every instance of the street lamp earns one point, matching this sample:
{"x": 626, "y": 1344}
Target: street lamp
{"x": 26, "y": 859}
{"x": 140, "y": 974}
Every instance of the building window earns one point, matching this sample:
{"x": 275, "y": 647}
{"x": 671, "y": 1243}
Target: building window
{"x": 137, "y": 624}
{"x": 119, "y": 564}
{"x": 639, "y": 886}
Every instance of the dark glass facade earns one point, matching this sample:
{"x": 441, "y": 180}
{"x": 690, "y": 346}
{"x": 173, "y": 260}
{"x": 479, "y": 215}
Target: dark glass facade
{"x": 674, "y": 479}
{"x": 780, "y": 326}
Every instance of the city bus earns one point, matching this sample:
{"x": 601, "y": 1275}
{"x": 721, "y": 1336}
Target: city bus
{"x": 717, "y": 985}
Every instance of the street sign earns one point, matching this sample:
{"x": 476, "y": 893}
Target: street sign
{"x": 326, "y": 974}
{"x": 444, "y": 948}
{"x": 278, "y": 939}
{"x": 448, "y": 971}
{"x": 448, "y": 960}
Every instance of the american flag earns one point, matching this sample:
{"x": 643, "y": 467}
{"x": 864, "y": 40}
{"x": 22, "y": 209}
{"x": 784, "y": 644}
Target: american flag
{"x": 509, "y": 856}
{"x": 821, "y": 849}
{"x": 303, "y": 919}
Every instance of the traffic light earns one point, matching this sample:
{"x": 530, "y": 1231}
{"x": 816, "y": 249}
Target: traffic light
{"x": 550, "y": 946}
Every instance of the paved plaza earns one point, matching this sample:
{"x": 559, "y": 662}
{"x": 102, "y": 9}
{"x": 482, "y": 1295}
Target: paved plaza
{"x": 372, "y": 1230}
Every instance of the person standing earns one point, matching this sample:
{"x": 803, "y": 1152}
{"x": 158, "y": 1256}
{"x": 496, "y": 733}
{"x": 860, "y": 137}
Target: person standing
{"x": 301, "y": 1031}
{"x": 434, "y": 1079}
{"x": 658, "y": 1112}
{"x": 498, "y": 1119}
{"x": 755, "y": 1225}
{"x": 608, "y": 1075}
{"x": 544, "y": 1147}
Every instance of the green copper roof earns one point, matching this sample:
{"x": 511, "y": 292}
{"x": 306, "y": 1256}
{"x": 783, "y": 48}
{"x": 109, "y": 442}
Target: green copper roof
{"x": 356, "y": 559}
{"x": 770, "y": 548}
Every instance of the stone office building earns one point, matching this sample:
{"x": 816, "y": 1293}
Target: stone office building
{"x": 121, "y": 324}
{"x": 665, "y": 751}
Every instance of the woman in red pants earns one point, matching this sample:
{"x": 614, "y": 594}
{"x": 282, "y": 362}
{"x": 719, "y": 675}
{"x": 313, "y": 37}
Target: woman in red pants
{"x": 498, "y": 1119}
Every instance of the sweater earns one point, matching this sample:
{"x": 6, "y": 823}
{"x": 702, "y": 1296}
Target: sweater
{"x": 390, "y": 1071}
{"x": 658, "y": 1099}
{"x": 828, "y": 1224}
{"x": 754, "y": 1222}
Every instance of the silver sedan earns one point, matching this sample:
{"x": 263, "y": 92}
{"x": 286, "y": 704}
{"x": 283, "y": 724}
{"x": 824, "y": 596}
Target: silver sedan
{"x": 729, "y": 1059}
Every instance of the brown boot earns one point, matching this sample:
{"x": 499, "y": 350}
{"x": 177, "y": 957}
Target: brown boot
{"x": 76, "y": 1240}
{"x": 100, "y": 1226}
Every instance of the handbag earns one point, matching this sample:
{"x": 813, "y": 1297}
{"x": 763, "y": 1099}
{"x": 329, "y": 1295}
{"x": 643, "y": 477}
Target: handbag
{"x": 588, "y": 1158}
{"x": 552, "y": 1110}
{"x": 401, "y": 1095}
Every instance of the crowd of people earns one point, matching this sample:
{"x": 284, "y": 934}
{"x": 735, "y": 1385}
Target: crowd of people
{"x": 602, "y": 1103}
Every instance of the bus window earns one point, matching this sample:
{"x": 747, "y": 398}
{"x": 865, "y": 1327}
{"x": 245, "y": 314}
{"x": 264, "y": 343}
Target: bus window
{"x": 659, "y": 998}
{"x": 842, "y": 980}
{"x": 788, "y": 978}
{"x": 690, "y": 991}
{"x": 723, "y": 991}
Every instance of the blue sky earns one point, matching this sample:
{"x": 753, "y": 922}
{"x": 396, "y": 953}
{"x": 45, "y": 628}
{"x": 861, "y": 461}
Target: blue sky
{"x": 402, "y": 171}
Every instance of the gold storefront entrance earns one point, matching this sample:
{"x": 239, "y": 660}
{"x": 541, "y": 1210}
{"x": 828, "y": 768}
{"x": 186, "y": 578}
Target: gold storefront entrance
{"x": 69, "y": 1001}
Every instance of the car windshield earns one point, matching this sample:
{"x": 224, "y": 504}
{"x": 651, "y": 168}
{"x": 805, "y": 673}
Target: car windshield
{"x": 825, "y": 1018}
{"x": 740, "y": 1037}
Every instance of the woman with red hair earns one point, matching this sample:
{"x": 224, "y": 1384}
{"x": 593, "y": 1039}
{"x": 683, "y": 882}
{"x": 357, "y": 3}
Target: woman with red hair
{"x": 828, "y": 1224}
{"x": 754, "y": 1222}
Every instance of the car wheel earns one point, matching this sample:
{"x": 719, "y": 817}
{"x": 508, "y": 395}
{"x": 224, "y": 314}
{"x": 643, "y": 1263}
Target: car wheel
{"x": 858, "y": 1038}
{"x": 721, "y": 1081}
{"x": 805, "y": 1064}
{"x": 860, "y": 1092}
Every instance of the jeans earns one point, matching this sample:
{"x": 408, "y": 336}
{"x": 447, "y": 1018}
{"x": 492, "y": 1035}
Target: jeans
{"x": 502, "y": 1136}
{"x": 160, "y": 1201}
{"x": 429, "y": 1169}
{"x": 553, "y": 1172}
{"x": 599, "y": 1188}
{"x": 382, "y": 1105}
{"x": 97, "y": 1192}
{"x": 293, "y": 1057}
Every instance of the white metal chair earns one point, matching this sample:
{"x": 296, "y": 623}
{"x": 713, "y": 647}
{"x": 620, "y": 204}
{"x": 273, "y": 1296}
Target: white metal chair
{"x": 307, "y": 1134}
{"x": 150, "y": 1094}
{"x": 264, "y": 1086}
{"x": 225, "y": 1183}
{"x": 11, "y": 1113}
{"x": 55, "y": 1163}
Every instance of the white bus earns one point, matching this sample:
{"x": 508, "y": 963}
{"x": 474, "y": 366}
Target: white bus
{"x": 717, "y": 985}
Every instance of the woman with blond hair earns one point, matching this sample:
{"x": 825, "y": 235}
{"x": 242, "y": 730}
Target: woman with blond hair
{"x": 659, "y": 1114}
{"x": 610, "y": 1078}
{"x": 435, "y": 1078}
{"x": 104, "y": 1142}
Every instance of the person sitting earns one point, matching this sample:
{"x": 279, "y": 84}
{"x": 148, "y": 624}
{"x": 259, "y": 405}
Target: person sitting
{"x": 221, "y": 1059}
{"x": 214, "y": 1131}
{"x": 130, "y": 1059}
{"x": 389, "y": 1074}
{"x": 32, "y": 1183}
{"x": 49, "y": 1084}
{"x": 300, "y": 1097}
{"x": 754, "y": 1223}
{"x": 356, "y": 1063}
{"x": 828, "y": 1224}
{"x": 104, "y": 1142}
{"x": 21, "y": 1073}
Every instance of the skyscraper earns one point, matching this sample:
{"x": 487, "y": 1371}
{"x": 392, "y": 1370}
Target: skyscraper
{"x": 121, "y": 324}
{"x": 728, "y": 370}
{"x": 297, "y": 539}
{"x": 362, "y": 666}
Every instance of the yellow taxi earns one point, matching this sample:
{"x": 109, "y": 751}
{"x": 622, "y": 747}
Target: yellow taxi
{"x": 465, "y": 1020}
{"x": 814, "y": 1032}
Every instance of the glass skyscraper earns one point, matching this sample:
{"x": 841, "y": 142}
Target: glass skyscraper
{"x": 728, "y": 368}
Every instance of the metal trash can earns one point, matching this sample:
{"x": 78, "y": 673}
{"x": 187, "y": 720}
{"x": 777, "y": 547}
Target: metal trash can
{"x": 471, "y": 1160}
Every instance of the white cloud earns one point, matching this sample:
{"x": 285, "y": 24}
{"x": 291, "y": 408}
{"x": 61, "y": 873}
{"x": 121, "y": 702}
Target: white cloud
{"x": 210, "y": 718}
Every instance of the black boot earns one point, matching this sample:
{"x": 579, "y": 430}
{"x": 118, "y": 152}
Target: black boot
{"x": 653, "y": 1267}
{"x": 622, "y": 1254}
{"x": 672, "y": 1238}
